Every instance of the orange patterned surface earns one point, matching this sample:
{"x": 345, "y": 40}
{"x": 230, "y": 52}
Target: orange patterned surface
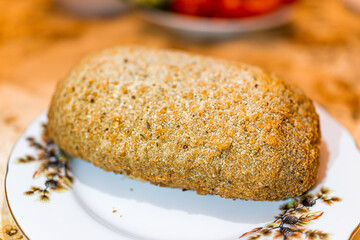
{"x": 39, "y": 43}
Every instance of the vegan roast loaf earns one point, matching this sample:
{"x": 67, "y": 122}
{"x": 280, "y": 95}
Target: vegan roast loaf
{"x": 187, "y": 121}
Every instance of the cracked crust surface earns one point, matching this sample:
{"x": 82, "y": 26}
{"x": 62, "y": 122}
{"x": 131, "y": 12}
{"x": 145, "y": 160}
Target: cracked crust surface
{"x": 189, "y": 122}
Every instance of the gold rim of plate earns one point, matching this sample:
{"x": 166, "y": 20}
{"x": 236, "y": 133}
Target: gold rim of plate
{"x": 355, "y": 234}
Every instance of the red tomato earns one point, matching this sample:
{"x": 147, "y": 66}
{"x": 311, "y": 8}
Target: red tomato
{"x": 288, "y": 1}
{"x": 205, "y": 8}
{"x": 231, "y": 9}
{"x": 226, "y": 8}
{"x": 255, "y": 7}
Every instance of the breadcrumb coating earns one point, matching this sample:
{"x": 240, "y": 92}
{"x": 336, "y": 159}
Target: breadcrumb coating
{"x": 188, "y": 121}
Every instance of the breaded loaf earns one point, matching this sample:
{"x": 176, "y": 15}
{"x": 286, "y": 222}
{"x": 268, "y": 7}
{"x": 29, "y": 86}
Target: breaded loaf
{"x": 188, "y": 121}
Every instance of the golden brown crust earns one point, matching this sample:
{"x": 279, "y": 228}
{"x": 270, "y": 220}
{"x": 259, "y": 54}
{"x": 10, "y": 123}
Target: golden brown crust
{"x": 189, "y": 122}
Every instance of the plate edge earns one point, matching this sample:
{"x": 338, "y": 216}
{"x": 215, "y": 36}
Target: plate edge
{"x": 7, "y": 171}
{"x": 6, "y": 196}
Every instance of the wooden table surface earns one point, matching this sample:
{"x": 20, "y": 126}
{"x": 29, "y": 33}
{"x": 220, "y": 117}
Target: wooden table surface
{"x": 39, "y": 43}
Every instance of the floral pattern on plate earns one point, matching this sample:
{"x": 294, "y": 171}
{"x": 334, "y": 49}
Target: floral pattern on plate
{"x": 291, "y": 224}
{"x": 54, "y": 166}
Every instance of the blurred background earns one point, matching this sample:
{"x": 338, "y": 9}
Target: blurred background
{"x": 313, "y": 44}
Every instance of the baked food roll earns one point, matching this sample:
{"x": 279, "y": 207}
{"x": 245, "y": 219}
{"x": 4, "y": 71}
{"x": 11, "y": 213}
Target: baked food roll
{"x": 187, "y": 121}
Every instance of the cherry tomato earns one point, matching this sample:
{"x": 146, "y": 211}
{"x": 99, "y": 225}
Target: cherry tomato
{"x": 231, "y": 9}
{"x": 226, "y": 8}
{"x": 255, "y": 7}
{"x": 205, "y": 8}
{"x": 289, "y": 1}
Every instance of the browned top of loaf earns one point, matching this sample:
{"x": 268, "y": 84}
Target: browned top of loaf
{"x": 188, "y": 121}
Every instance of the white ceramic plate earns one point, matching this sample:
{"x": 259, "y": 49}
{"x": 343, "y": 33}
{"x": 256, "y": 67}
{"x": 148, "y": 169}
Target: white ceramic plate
{"x": 215, "y": 27}
{"x": 102, "y": 205}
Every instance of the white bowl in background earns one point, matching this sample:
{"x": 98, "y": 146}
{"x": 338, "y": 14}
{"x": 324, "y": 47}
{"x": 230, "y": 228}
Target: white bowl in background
{"x": 215, "y": 27}
{"x": 89, "y": 8}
